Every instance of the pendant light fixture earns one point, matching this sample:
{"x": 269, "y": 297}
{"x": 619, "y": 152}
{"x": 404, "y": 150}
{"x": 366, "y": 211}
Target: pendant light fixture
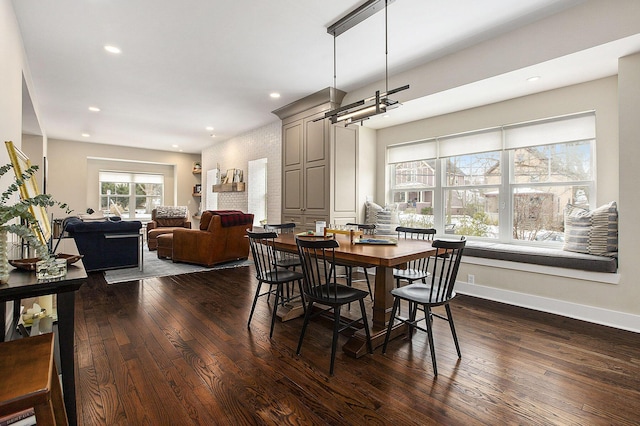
{"x": 380, "y": 102}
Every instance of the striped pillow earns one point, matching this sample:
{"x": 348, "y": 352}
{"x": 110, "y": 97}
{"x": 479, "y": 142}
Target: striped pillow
{"x": 592, "y": 232}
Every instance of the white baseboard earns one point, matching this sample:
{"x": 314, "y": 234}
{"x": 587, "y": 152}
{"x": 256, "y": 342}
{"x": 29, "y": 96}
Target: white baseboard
{"x": 592, "y": 314}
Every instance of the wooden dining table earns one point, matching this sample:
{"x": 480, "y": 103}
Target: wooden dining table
{"x": 384, "y": 258}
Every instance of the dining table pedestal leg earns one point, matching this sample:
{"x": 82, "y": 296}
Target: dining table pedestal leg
{"x": 382, "y": 305}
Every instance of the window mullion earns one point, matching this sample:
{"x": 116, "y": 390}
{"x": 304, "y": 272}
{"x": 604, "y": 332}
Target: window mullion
{"x": 505, "y": 212}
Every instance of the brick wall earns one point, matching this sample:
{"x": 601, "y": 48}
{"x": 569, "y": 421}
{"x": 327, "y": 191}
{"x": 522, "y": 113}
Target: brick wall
{"x": 263, "y": 142}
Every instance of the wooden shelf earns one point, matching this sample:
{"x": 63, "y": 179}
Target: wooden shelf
{"x": 197, "y": 194}
{"x": 229, "y": 187}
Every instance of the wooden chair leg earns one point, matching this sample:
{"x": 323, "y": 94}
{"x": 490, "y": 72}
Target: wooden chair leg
{"x": 396, "y": 303}
{"x": 427, "y": 310}
{"x": 304, "y": 326}
{"x": 253, "y": 306}
{"x": 275, "y": 305}
{"x": 453, "y": 329}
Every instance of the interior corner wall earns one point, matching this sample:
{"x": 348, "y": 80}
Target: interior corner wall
{"x": 629, "y": 205}
{"x": 13, "y": 62}
{"x": 616, "y": 159}
{"x": 235, "y": 153}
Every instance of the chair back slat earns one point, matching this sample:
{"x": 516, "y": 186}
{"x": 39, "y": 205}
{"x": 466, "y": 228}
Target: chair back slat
{"x": 445, "y": 265}
{"x": 264, "y": 255}
{"x": 423, "y": 234}
{"x": 318, "y": 260}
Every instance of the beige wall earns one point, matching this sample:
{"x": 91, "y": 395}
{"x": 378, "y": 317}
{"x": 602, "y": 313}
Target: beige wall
{"x": 74, "y": 166}
{"x": 616, "y": 181}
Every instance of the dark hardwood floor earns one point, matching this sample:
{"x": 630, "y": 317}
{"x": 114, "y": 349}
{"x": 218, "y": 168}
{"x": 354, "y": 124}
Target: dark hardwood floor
{"x": 177, "y": 351}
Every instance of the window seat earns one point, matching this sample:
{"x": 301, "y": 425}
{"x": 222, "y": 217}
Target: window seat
{"x": 541, "y": 256}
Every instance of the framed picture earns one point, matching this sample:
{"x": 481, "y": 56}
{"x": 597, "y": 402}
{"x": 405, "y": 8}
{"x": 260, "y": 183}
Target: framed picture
{"x": 21, "y": 163}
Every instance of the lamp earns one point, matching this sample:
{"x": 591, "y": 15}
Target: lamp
{"x": 380, "y": 103}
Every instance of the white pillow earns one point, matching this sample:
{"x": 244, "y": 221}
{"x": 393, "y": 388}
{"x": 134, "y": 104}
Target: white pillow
{"x": 591, "y": 231}
{"x": 371, "y": 212}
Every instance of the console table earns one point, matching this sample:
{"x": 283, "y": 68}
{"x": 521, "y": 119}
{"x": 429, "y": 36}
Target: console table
{"x": 22, "y": 285}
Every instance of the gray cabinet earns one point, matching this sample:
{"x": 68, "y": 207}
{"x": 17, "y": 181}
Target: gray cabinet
{"x": 305, "y": 158}
{"x": 320, "y": 164}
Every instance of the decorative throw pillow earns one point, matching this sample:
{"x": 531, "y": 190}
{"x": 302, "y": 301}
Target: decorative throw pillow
{"x": 171, "y": 212}
{"x": 592, "y": 232}
{"x": 371, "y": 212}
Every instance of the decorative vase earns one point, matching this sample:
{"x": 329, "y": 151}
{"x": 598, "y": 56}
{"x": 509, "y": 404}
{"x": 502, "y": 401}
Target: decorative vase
{"x": 4, "y": 260}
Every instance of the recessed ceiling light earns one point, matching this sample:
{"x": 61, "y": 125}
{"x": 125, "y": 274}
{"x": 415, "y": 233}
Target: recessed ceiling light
{"x": 85, "y": 135}
{"x": 94, "y": 109}
{"x": 275, "y": 95}
{"x": 112, "y": 49}
{"x": 174, "y": 146}
{"x": 209, "y": 128}
{"x": 534, "y": 78}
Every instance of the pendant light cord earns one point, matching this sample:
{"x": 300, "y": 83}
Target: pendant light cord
{"x": 334, "y": 61}
{"x": 386, "y": 50}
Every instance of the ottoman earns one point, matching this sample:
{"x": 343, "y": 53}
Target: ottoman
{"x": 165, "y": 246}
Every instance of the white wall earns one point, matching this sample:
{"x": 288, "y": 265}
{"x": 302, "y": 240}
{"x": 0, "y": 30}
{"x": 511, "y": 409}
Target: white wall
{"x": 263, "y": 142}
{"x": 13, "y": 66}
{"x": 597, "y": 300}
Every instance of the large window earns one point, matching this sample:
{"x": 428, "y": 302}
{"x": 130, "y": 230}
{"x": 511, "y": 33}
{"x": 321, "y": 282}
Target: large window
{"x": 130, "y": 195}
{"x": 509, "y": 183}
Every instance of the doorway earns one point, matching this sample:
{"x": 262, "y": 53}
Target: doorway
{"x": 257, "y": 190}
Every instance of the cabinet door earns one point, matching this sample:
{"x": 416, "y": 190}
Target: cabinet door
{"x": 292, "y": 145}
{"x": 292, "y": 174}
{"x": 316, "y": 167}
{"x": 292, "y": 201}
{"x": 316, "y": 141}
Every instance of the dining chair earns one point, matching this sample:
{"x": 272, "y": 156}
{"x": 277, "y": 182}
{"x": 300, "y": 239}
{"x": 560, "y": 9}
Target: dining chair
{"x": 417, "y": 270}
{"x": 320, "y": 286}
{"x": 437, "y": 292}
{"x": 367, "y": 229}
{"x": 284, "y": 259}
{"x": 264, "y": 256}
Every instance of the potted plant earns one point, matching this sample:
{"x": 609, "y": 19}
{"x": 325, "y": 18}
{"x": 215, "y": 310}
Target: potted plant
{"x": 16, "y": 217}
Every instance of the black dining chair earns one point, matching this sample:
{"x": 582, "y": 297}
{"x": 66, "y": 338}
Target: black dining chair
{"x": 417, "y": 270}
{"x": 367, "y": 229}
{"x": 438, "y": 291}
{"x": 321, "y": 287}
{"x": 284, "y": 259}
{"x": 264, "y": 257}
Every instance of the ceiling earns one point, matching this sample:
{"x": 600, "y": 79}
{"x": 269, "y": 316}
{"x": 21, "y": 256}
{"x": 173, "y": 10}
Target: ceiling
{"x": 188, "y": 65}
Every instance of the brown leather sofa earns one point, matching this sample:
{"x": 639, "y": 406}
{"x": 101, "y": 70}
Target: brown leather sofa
{"x": 221, "y": 238}
{"x": 165, "y": 220}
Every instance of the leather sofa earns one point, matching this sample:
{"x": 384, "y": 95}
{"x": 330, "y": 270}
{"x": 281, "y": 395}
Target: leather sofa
{"x": 165, "y": 220}
{"x": 221, "y": 238}
{"x": 95, "y": 241}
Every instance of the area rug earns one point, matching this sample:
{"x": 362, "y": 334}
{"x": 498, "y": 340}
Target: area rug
{"x": 154, "y": 268}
